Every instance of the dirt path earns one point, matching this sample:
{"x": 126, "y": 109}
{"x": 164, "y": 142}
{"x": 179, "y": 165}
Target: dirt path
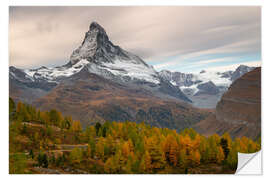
{"x": 41, "y": 125}
{"x": 71, "y": 146}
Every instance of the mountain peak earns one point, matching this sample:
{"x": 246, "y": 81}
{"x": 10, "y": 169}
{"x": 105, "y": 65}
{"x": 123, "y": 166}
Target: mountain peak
{"x": 95, "y": 26}
{"x": 98, "y": 33}
{"x": 96, "y": 38}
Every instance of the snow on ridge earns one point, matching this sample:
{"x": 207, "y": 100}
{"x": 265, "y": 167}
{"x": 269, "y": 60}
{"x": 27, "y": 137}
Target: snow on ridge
{"x": 30, "y": 72}
{"x": 131, "y": 69}
{"x": 51, "y": 74}
{"x": 201, "y": 78}
{"x": 213, "y": 76}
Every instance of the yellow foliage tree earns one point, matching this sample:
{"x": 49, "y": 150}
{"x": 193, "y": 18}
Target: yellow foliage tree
{"x": 220, "y": 155}
{"x": 125, "y": 149}
{"x": 76, "y": 126}
{"x": 173, "y": 152}
{"x": 76, "y": 155}
{"x": 147, "y": 161}
{"x": 110, "y": 166}
{"x": 100, "y": 149}
{"x": 89, "y": 151}
{"x": 197, "y": 157}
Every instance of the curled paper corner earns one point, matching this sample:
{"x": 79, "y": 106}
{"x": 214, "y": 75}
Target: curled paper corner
{"x": 249, "y": 163}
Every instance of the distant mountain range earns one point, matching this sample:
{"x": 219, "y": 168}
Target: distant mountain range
{"x": 100, "y": 82}
{"x": 206, "y": 87}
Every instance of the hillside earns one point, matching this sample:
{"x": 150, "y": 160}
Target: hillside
{"x": 90, "y": 98}
{"x": 48, "y": 143}
{"x": 239, "y": 110}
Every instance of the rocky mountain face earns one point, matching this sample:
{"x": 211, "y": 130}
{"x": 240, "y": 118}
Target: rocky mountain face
{"x": 205, "y": 88}
{"x": 240, "y": 71}
{"x": 239, "y": 110}
{"x": 100, "y": 56}
{"x": 179, "y": 79}
{"x": 100, "y": 82}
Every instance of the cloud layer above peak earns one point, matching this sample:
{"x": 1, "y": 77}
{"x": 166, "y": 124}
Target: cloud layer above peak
{"x": 179, "y": 38}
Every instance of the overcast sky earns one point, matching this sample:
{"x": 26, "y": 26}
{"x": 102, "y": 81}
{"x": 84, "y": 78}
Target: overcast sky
{"x": 177, "y": 38}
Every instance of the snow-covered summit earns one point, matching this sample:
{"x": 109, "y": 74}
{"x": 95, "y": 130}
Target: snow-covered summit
{"x": 109, "y": 60}
{"x": 101, "y": 57}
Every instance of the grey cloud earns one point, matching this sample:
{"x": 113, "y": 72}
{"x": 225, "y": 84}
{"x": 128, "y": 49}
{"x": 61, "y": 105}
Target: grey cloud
{"x": 48, "y": 35}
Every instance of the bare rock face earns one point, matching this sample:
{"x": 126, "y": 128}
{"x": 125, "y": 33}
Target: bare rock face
{"x": 240, "y": 106}
{"x": 207, "y": 88}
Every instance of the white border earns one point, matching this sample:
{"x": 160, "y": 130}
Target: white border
{"x": 4, "y": 76}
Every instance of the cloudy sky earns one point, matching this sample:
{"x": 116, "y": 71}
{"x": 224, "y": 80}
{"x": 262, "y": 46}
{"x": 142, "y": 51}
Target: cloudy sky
{"x": 177, "y": 38}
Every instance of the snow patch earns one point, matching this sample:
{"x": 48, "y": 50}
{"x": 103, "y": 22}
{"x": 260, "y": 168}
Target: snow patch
{"x": 215, "y": 77}
{"x": 193, "y": 88}
{"x": 50, "y": 74}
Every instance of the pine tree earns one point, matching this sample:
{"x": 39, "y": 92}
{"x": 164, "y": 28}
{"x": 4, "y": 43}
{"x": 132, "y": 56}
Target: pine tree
{"x": 45, "y": 161}
{"x": 31, "y": 153}
{"x": 97, "y": 127}
{"x": 224, "y": 145}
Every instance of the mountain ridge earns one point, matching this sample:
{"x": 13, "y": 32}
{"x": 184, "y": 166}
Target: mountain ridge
{"x": 205, "y": 88}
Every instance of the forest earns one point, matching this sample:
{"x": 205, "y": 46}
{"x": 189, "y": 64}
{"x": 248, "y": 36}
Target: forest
{"x": 48, "y": 142}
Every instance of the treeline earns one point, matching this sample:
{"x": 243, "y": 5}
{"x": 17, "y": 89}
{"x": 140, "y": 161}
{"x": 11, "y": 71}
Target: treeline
{"x": 27, "y": 113}
{"x": 128, "y": 147}
{"x": 55, "y": 128}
